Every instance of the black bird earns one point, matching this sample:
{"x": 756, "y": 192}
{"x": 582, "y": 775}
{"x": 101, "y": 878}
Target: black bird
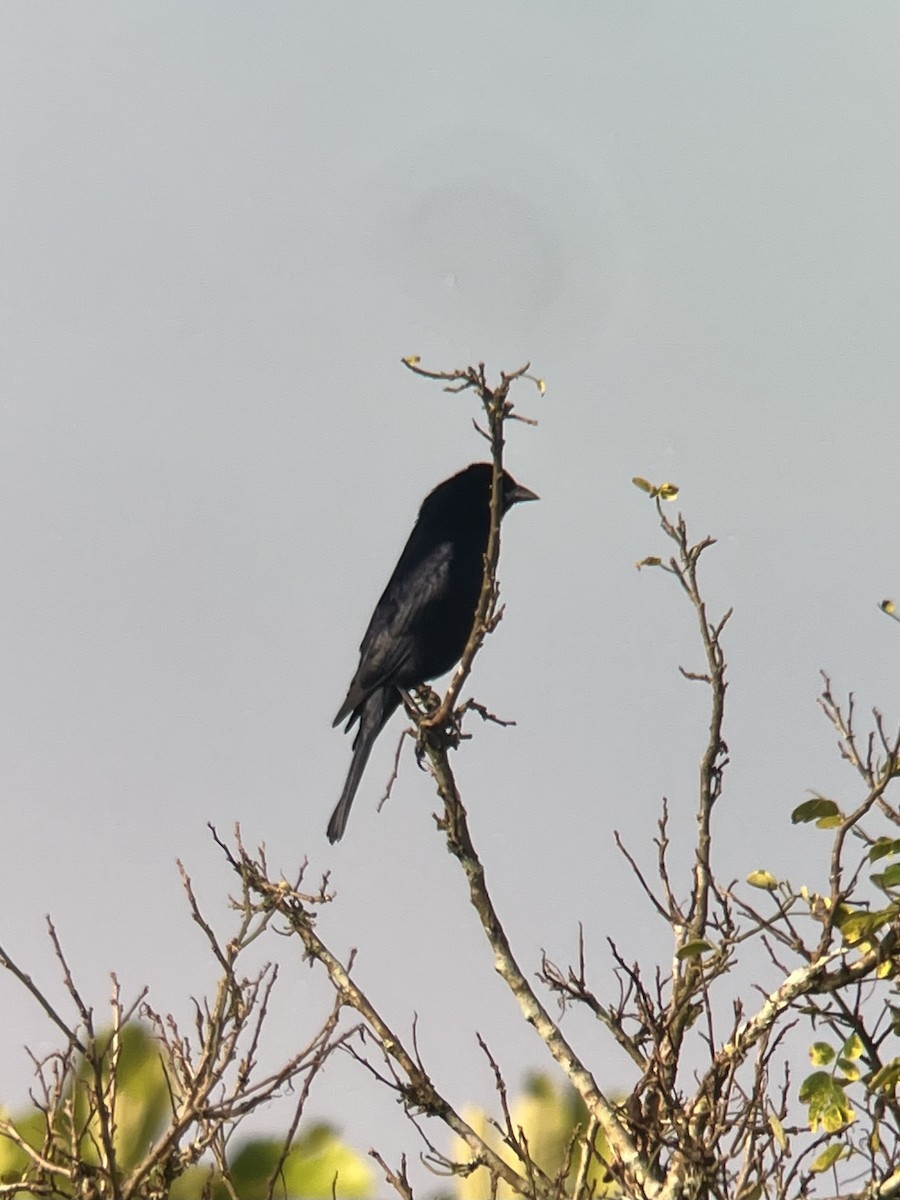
{"x": 423, "y": 620}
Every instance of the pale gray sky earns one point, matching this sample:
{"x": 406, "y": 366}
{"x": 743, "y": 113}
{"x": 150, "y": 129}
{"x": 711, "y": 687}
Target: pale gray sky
{"x": 222, "y": 226}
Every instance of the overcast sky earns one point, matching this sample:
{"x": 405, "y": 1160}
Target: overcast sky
{"x": 222, "y": 226}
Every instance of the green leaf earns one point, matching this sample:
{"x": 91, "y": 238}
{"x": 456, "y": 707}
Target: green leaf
{"x": 778, "y": 1130}
{"x": 850, "y": 1070}
{"x": 860, "y": 925}
{"x": 827, "y": 1100}
{"x": 821, "y": 1054}
{"x": 251, "y": 1167}
{"x": 883, "y": 847}
{"x": 665, "y": 491}
{"x": 815, "y": 1086}
{"x": 762, "y": 879}
{"x": 32, "y": 1129}
{"x": 886, "y": 1079}
{"x": 889, "y": 878}
{"x": 835, "y": 1116}
{"x": 853, "y": 1047}
{"x": 829, "y": 1157}
{"x": 694, "y": 949}
{"x": 142, "y": 1093}
{"x": 550, "y": 1116}
{"x": 825, "y": 813}
{"x": 318, "y": 1157}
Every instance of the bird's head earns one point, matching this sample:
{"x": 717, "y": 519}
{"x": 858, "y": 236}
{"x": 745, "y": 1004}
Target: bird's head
{"x": 515, "y": 493}
{"x": 469, "y": 493}
{"x": 478, "y": 476}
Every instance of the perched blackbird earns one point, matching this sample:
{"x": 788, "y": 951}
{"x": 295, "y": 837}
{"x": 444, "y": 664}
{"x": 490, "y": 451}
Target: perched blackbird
{"x": 423, "y": 620}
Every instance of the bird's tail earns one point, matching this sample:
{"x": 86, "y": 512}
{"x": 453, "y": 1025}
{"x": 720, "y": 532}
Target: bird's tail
{"x": 374, "y": 712}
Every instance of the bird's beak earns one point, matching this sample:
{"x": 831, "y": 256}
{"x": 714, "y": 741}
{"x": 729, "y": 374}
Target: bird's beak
{"x": 519, "y": 493}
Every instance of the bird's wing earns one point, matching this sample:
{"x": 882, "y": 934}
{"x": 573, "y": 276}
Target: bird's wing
{"x": 412, "y": 590}
{"x": 389, "y": 644}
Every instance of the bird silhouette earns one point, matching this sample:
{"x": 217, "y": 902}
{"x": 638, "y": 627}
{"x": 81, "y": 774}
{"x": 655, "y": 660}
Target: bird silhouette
{"x": 422, "y": 622}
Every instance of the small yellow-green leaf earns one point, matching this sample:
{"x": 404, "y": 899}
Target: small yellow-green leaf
{"x": 751, "y": 1193}
{"x": 778, "y": 1130}
{"x": 821, "y": 1054}
{"x": 694, "y": 949}
{"x": 828, "y": 1157}
{"x": 836, "y": 1116}
{"x": 886, "y": 1079}
{"x": 889, "y": 607}
{"x": 668, "y": 491}
{"x": 541, "y": 386}
{"x": 412, "y": 360}
{"x": 762, "y": 879}
{"x": 858, "y": 926}
{"x": 850, "y": 1070}
{"x": 650, "y": 561}
{"x": 853, "y": 1047}
{"x": 644, "y": 484}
